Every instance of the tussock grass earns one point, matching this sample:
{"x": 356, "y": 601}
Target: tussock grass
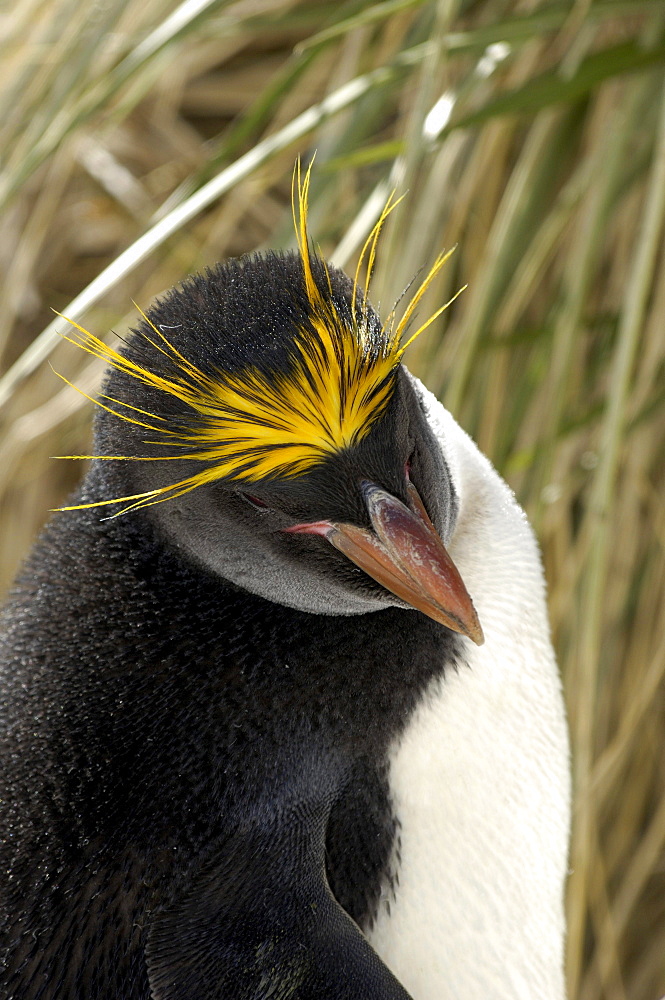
{"x": 144, "y": 140}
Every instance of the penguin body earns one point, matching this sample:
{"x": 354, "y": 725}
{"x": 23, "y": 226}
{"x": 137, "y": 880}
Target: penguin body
{"x": 237, "y": 761}
{"x": 191, "y": 736}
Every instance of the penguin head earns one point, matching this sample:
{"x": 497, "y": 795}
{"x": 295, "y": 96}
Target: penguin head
{"x": 260, "y": 416}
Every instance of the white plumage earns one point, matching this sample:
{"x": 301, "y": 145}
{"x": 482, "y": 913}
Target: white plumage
{"x": 480, "y": 780}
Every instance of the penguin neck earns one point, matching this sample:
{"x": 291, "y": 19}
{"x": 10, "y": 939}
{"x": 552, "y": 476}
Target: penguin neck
{"x": 493, "y": 545}
{"x": 150, "y": 568}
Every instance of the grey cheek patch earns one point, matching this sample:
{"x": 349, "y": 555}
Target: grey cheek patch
{"x": 233, "y": 552}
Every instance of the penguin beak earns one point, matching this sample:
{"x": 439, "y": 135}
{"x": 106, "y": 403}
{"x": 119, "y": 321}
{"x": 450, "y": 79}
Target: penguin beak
{"x": 406, "y": 556}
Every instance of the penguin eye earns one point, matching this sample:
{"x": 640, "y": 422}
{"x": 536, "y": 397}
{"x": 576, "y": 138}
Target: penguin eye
{"x": 255, "y": 502}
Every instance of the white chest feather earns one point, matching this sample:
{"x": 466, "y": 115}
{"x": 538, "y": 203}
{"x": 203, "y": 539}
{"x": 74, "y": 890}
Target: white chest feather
{"x": 480, "y": 779}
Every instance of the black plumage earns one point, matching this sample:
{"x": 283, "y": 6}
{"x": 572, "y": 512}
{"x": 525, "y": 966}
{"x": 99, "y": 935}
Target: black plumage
{"x": 194, "y": 774}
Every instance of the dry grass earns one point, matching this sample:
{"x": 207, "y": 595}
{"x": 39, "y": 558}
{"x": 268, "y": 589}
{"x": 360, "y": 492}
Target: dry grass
{"x": 533, "y": 136}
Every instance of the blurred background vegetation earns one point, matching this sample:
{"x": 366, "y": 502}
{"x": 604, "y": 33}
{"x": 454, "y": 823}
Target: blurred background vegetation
{"x": 142, "y": 139}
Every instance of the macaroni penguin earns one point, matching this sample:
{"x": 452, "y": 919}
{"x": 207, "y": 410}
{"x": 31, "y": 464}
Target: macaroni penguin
{"x": 280, "y": 715}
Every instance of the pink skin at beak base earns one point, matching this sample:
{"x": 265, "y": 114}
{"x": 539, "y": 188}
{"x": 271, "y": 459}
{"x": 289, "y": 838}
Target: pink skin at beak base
{"x": 405, "y": 554}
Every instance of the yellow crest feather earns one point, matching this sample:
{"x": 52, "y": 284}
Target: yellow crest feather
{"x": 244, "y": 427}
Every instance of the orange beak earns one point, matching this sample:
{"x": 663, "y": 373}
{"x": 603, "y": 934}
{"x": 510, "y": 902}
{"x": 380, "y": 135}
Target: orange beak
{"x": 406, "y": 556}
